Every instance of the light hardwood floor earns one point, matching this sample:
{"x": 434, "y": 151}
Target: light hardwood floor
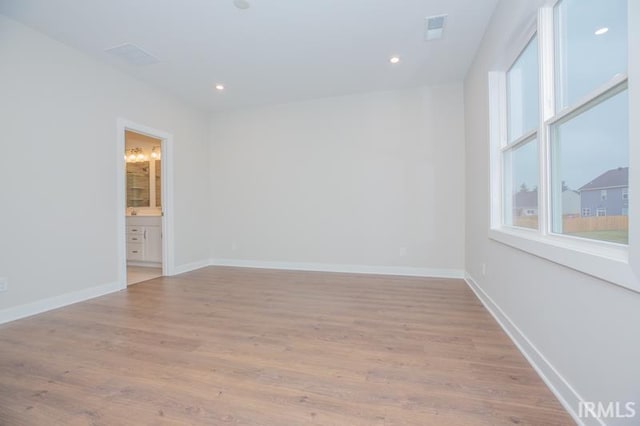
{"x": 236, "y": 346}
{"x": 138, "y": 274}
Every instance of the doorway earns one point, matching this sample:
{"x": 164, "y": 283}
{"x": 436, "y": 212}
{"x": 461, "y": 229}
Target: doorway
{"x": 144, "y": 203}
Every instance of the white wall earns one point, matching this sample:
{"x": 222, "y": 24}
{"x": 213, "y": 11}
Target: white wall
{"x": 58, "y": 111}
{"x": 585, "y": 328}
{"x": 374, "y": 179}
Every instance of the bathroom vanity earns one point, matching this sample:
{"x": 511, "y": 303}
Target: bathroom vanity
{"x": 144, "y": 240}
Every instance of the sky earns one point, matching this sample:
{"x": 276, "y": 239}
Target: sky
{"x": 597, "y": 140}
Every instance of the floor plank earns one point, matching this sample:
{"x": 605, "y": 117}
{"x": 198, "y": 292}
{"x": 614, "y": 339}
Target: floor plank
{"x": 138, "y": 274}
{"x": 267, "y": 347}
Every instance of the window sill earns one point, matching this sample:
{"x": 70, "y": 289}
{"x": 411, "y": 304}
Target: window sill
{"x": 609, "y": 262}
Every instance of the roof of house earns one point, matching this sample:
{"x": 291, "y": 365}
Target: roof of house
{"x": 612, "y": 178}
{"x": 524, "y": 199}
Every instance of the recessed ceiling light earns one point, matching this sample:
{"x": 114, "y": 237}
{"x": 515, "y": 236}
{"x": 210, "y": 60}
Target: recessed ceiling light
{"x": 241, "y": 4}
{"x": 601, "y": 31}
{"x": 220, "y": 87}
{"x": 394, "y": 59}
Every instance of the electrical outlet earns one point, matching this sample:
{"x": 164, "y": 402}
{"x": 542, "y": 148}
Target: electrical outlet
{"x": 3, "y": 284}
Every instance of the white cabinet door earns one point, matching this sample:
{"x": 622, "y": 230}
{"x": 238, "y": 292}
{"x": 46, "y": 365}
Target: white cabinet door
{"x": 153, "y": 244}
{"x": 135, "y": 251}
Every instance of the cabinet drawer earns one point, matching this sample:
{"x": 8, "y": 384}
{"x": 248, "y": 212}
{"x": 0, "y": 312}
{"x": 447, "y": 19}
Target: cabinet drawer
{"x": 135, "y": 238}
{"x": 135, "y": 229}
{"x": 135, "y": 251}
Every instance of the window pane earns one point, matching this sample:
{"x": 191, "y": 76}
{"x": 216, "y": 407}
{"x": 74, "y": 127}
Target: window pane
{"x": 522, "y": 92}
{"x": 590, "y": 173}
{"x": 591, "y": 46}
{"x": 521, "y": 185}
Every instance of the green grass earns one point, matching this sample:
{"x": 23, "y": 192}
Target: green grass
{"x": 621, "y": 237}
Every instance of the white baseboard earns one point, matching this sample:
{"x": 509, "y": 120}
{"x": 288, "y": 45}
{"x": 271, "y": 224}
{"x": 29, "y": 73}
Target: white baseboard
{"x": 39, "y": 306}
{"x": 357, "y": 269}
{"x": 566, "y": 394}
{"x": 188, "y": 267}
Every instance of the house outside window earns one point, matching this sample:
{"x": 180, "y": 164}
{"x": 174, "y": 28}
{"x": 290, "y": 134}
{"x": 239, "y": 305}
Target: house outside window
{"x": 575, "y": 160}
{"x": 576, "y": 128}
{"x": 607, "y": 191}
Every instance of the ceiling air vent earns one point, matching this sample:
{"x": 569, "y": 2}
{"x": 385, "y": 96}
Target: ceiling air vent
{"x": 435, "y": 27}
{"x": 133, "y": 55}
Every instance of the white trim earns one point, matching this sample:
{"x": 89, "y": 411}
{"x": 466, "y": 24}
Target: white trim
{"x": 121, "y": 204}
{"x": 616, "y": 85}
{"x": 566, "y": 394}
{"x": 355, "y": 269}
{"x": 615, "y": 263}
{"x": 607, "y": 261}
{"x": 546, "y": 105}
{"x": 546, "y": 62}
{"x": 497, "y": 136}
{"x": 522, "y": 38}
{"x": 633, "y": 71}
{"x": 522, "y": 140}
{"x": 188, "y": 267}
{"x": 166, "y": 144}
{"x": 43, "y": 305}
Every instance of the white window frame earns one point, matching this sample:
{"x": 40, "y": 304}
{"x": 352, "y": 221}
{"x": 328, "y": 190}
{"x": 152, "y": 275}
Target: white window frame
{"x": 586, "y": 210}
{"x": 625, "y": 194}
{"x": 601, "y": 211}
{"x": 511, "y": 146}
{"x": 603, "y": 195}
{"x": 616, "y": 263}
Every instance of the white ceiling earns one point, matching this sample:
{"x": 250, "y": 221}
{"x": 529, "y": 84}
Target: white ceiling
{"x": 275, "y": 51}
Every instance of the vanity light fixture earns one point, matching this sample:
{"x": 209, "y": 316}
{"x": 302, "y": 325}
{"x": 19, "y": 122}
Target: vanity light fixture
{"x": 155, "y": 153}
{"x": 131, "y": 157}
{"x": 137, "y": 154}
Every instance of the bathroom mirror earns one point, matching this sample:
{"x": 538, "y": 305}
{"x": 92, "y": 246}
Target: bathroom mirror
{"x": 138, "y": 194}
{"x": 143, "y": 157}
